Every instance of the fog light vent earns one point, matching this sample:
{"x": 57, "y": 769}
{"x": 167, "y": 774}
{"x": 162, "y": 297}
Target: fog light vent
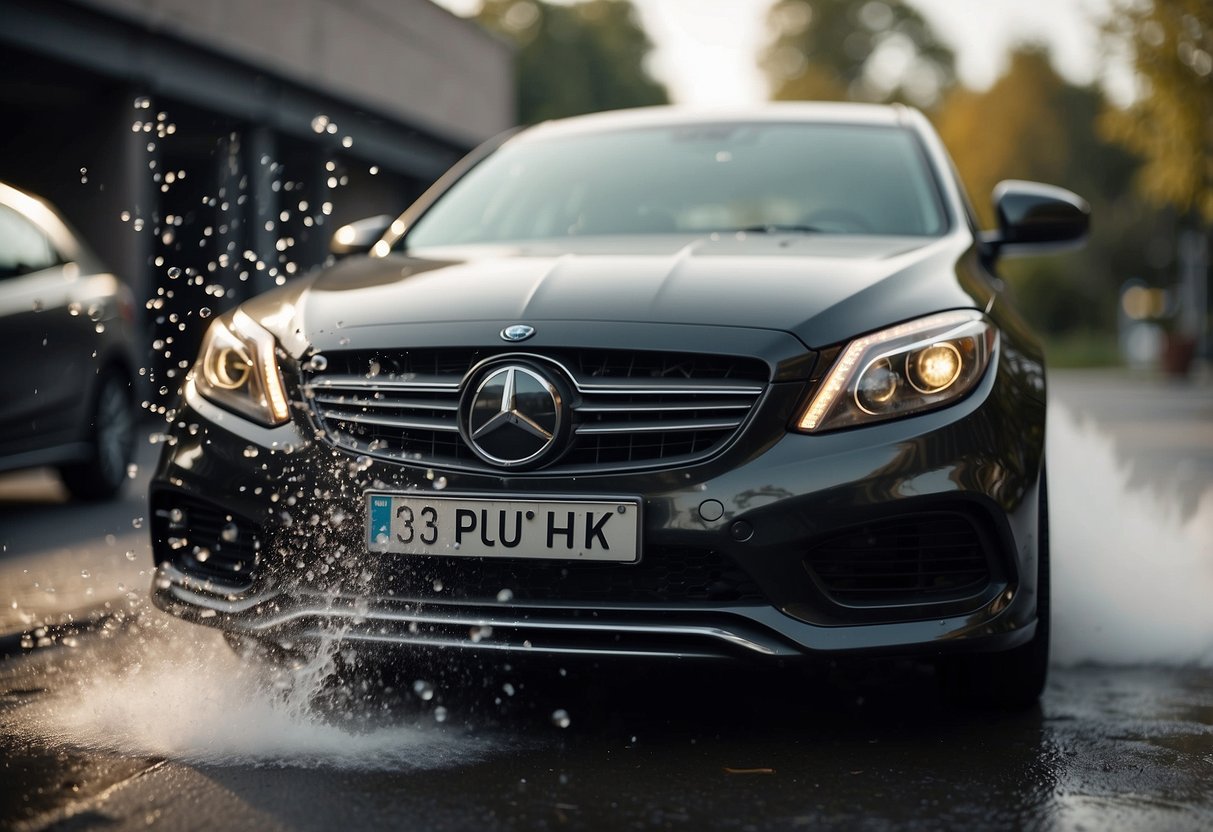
{"x": 204, "y": 540}
{"x": 925, "y": 559}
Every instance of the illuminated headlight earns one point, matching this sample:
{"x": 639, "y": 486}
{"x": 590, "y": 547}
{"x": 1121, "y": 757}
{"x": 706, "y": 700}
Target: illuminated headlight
{"x": 237, "y": 369}
{"x": 919, "y": 365}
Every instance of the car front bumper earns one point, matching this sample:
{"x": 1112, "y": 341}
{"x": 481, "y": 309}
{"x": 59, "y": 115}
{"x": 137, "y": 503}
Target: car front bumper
{"x": 744, "y": 526}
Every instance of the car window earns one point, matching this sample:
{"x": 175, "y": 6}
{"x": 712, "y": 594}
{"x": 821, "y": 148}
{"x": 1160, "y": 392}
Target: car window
{"x": 845, "y": 179}
{"x": 23, "y": 246}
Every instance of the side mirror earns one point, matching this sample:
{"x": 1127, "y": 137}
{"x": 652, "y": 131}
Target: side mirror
{"x": 360, "y": 236}
{"x": 1035, "y": 218}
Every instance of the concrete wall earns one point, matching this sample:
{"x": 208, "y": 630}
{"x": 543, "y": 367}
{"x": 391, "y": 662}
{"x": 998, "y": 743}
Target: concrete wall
{"x": 103, "y": 99}
{"x": 407, "y": 59}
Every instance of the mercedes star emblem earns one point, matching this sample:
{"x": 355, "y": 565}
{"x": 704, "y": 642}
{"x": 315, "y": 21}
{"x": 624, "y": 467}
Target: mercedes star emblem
{"x": 515, "y": 416}
{"x": 517, "y": 332}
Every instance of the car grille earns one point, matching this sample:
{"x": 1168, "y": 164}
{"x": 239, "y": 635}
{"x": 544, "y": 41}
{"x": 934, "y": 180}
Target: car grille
{"x": 667, "y": 574}
{"x": 203, "y": 540}
{"x": 632, "y": 409}
{"x": 925, "y": 559}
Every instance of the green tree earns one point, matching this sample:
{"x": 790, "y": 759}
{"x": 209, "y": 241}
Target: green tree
{"x": 880, "y": 50}
{"x": 1032, "y": 124}
{"x": 1170, "y": 124}
{"x": 575, "y": 59}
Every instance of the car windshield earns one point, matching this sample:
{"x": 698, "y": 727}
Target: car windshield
{"x": 768, "y": 177}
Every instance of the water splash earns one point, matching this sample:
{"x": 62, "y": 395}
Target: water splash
{"x": 179, "y": 693}
{"x": 1132, "y": 574}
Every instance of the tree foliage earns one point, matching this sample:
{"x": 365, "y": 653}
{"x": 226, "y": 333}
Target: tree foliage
{"x": 1032, "y": 124}
{"x": 575, "y": 59}
{"x": 880, "y": 50}
{"x": 1170, "y": 125}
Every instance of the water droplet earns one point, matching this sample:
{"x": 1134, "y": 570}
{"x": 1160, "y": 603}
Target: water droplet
{"x": 130, "y": 554}
{"x": 437, "y": 585}
{"x": 440, "y": 714}
{"x": 174, "y": 272}
{"x": 37, "y": 304}
{"x": 132, "y": 471}
{"x": 505, "y": 596}
{"x": 230, "y": 533}
{"x": 318, "y": 364}
{"x": 137, "y": 522}
{"x": 320, "y": 123}
{"x": 424, "y": 690}
{"x": 560, "y": 718}
{"x": 84, "y": 573}
{"x": 202, "y": 555}
{"x": 440, "y": 483}
{"x": 250, "y": 451}
{"x": 204, "y": 312}
{"x": 74, "y": 309}
{"x": 508, "y": 689}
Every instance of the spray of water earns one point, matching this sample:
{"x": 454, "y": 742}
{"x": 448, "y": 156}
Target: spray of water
{"x": 179, "y": 693}
{"x": 1132, "y": 573}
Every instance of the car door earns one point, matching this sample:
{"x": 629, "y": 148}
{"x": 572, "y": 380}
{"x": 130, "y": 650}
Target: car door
{"x": 45, "y": 343}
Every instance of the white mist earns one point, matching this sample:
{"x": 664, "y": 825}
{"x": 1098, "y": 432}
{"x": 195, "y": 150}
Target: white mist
{"x": 1132, "y": 576}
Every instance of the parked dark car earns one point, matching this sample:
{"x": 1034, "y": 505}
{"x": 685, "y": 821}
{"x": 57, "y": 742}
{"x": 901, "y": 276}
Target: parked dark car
{"x": 648, "y": 385}
{"x": 66, "y": 334}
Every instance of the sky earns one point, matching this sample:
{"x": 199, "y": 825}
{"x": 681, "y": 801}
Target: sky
{"x": 706, "y": 50}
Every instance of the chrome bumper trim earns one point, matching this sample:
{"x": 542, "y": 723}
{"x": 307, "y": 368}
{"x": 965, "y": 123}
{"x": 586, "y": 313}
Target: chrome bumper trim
{"x": 419, "y": 624}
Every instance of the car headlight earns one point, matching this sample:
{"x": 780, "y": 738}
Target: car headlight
{"x": 919, "y": 365}
{"x": 237, "y": 369}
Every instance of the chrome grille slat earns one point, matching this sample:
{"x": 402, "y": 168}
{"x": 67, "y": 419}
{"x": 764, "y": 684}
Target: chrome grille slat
{"x": 407, "y": 404}
{"x": 629, "y": 410}
{"x": 683, "y": 387}
{"x": 660, "y": 408}
{"x": 653, "y": 427}
{"x": 438, "y": 384}
{"x": 391, "y": 421}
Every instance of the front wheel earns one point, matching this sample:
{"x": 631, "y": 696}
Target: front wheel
{"x": 1013, "y": 679}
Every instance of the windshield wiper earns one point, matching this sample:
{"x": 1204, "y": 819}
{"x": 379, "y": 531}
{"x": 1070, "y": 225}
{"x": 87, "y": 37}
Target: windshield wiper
{"x": 774, "y": 228}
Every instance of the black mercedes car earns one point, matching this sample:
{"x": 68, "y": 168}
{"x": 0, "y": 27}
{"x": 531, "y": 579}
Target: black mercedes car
{"x": 653, "y": 385}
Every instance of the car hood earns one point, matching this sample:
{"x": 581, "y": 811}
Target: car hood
{"x": 823, "y": 289}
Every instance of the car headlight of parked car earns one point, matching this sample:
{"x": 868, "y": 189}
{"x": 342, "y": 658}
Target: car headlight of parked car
{"x": 909, "y": 368}
{"x": 237, "y": 369}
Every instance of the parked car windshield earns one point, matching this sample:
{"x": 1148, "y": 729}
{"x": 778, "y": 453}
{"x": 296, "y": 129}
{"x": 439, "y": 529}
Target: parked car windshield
{"x": 796, "y": 177}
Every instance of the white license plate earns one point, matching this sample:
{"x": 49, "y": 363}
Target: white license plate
{"x": 484, "y": 527}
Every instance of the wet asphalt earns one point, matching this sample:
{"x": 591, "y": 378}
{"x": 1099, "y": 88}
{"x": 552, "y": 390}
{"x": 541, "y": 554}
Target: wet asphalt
{"x": 870, "y": 747}
{"x": 133, "y": 721}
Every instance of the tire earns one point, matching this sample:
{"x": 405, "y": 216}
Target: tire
{"x": 112, "y": 439}
{"x": 1013, "y": 679}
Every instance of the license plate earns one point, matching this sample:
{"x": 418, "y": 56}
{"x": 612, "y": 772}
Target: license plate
{"x": 482, "y": 527}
